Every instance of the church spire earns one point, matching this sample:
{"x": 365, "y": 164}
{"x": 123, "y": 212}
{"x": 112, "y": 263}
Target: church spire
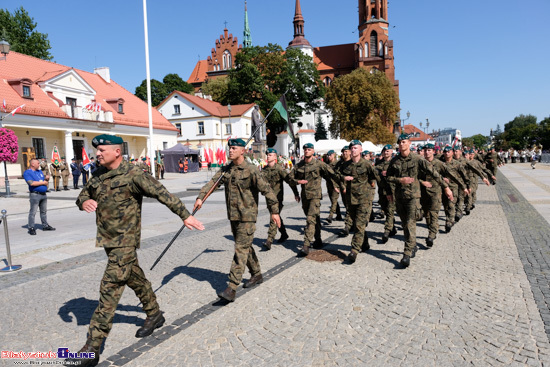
{"x": 299, "y": 36}
{"x": 247, "y": 40}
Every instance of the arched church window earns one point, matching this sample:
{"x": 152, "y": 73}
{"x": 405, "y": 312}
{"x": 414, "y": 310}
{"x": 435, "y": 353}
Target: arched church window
{"x": 360, "y": 51}
{"x": 386, "y": 49}
{"x": 327, "y": 81}
{"x": 380, "y": 49}
{"x": 373, "y": 43}
{"x": 227, "y": 60}
{"x": 366, "y": 49}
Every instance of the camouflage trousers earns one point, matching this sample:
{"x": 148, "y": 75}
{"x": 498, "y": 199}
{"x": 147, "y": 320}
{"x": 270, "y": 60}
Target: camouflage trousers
{"x": 431, "y": 204}
{"x": 359, "y": 214}
{"x": 471, "y": 199}
{"x": 349, "y": 221}
{"x": 459, "y": 208}
{"x": 243, "y": 233}
{"x": 272, "y": 231}
{"x": 450, "y": 206}
{"x": 389, "y": 211}
{"x": 66, "y": 180}
{"x": 406, "y": 208}
{"x": 334, "y": 206}
{"x": 122, "y": 269}
{"x": 312, "y": 210}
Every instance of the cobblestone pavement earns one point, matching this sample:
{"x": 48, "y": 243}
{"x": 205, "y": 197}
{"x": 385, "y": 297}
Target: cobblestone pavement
{"x": 470, "y": 300}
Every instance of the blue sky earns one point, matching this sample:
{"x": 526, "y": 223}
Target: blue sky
{"x": 468, "y": 65}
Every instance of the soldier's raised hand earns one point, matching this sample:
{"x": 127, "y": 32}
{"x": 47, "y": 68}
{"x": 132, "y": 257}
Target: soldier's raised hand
{"x": 89, "y": 205}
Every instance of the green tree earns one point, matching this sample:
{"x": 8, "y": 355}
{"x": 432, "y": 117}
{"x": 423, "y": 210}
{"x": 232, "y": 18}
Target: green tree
{"x": 158, "y": 91}
{"x": 320, "y": 130}
{"x": 217, "y": 89}
{"x": 363, "y": 104}
{"x": 476, "y": 140}
{"x": 19, "y": 30}
{"x": 543, "y": 133}
{"x": 520, "y": 121}
{"x": 174, "y": 82}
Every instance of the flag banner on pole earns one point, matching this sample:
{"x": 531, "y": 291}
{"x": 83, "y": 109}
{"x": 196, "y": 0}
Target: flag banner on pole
{"x": 4, "y": 105}
{"x": 17, "y": 109}
{"x": 85, "y": 160}
{"x": 158, "y": 156}
{"x": 283, "y": 111}
{"x": 55, "y": 156}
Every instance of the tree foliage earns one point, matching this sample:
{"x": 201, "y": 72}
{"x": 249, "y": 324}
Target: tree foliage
{"x": 217, "y": 89}
{"x": 321, "y": 132}
{"x": 477, "y": 140}
{"x": 161, "y": 90}
{"x": 19, "y": 30}
{"x": 362, "y": 105}
{"x": 524, "y": 132}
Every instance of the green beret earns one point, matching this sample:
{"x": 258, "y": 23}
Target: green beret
{"x": 419, "y": 148}
{"x": 106, "y": 139}
{"x": 447, "y": 148}
{"x": 364, "y": 153}
{"x": 144, "y": 159}
{"x": 354, "y": 142}
{"x": 132, "y": 159}
{"x": 472, "y": 151}
{"x": 331, "y": 152}
{"x": 62, "y": 157}
{"x": 308, "y": 145}
{"x": 346, "y": 147}
{"x": 270, "y": 150}
{"x": 403, "y": 137}
{"x": 429, "y": 146}
{"x": 236, "y": 143}
{"x": 456, "y": 147}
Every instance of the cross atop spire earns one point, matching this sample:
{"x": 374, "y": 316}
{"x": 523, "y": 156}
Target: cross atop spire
{"x": 247, "y": 39}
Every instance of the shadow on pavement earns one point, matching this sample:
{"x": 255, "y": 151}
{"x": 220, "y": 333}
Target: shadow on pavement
{"x": 83, "y": 308}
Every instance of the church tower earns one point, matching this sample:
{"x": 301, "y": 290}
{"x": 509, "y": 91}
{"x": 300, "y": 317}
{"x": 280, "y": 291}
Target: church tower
{"x": 247, "y": 39}
{"x": 374, "y": 51}
{"x": 300, "y": 40}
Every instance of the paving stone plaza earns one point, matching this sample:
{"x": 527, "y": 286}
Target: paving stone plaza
{"x": 479, "y": 297}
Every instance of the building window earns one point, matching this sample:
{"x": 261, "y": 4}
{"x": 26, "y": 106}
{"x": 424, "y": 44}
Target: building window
{"x": 360, "y": 51}
{"x": 227, "y": 129}
{"x": 38, "y": 144}
{"x": 217, "y": 129}
{"x": 246, "y": 129}
{"x": 201, "y": 127}
{"x": 373, "y": 43}
{"x": 125, "y": 148}
{"x": 176, "y": 109}
{"x": 164, "y": 145}
{"x": 380, "y": 49}
{"x": 227, "y": 64}
{"x": 26, "y": 91}
{"x": 71, "y": 102}
{"x": 327, "y": 81}
{"x": 120, "y": 108}
{"x": 178, "y": 126}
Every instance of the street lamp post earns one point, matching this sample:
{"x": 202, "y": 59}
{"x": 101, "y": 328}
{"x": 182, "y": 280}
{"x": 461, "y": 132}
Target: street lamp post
{"x": 403, "y": 121}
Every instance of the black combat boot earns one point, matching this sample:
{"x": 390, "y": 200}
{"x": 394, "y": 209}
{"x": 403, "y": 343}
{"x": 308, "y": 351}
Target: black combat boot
{"x": 267, "y": 244}
{"x": 429, "y": 242}
{"x": 393, "y": 232}
{"x": 365, "y": 247}
{"x": 66, "y": 188}
{"x": 151, "y": 323}
{"x": 344, "y": 233}
{"x": 405, "y": 261}
{"x": 305, "y": 250}
{"x": 448, "y": 228}
{"x": 284, "y": 236}
{"x": 329, "y": 219}
{"x": 84, "y": 362}
{"x": 254, "y": 280}
{"x": 228, "y": 294}
{"x": 352, "y": 257}
{"x": 413, "y": 254}
{"x": 386, "y": 236}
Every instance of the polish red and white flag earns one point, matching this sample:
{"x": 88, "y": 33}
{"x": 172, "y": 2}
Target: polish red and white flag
{"x": 17, "y": 109}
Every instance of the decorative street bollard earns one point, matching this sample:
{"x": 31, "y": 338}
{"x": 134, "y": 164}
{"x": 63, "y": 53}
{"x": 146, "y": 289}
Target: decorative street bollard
{"x": 10, "y": 267}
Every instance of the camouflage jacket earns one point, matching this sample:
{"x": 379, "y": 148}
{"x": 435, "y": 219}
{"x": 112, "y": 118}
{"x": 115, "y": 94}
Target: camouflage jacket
{"x": 491, "y": 159}
{"x": 119, "y": 194}
{"x": 338, "y": 170}
{"x": 456, "y": 175}
{"x": 440, "y": 168}
{"x": 313, "y": 172}
{"x": 364, "y": 178}
{"x": 474, "y": 167}
{"x": 44, "y": 167}
{"x": 275, "y": 176}
{"x": 410, "y": 166}
{"x": 384, "y": 187}
{"x": 64, "y": 168}
{"x": 330, "y": 183}
{"x": 55, "y": 170}
{"x": 242, "y": 184}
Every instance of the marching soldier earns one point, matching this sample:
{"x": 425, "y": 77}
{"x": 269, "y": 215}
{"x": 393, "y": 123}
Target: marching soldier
{"x": 274, "y": 174}
{"x": 242, "y": 182}
{"x": 457, "y": 156}
{"x": 403, "y": 172}
{"x": 346, "y": 156}
{"x": 333, "y": 194}
{"x": 308, "y": 173}
{"x": 474, "y": 167}
{"x": 454, "y": 177}
{"x": 492, "y": 161}
{"x": 115, "y": 193}
{"x": 385, "y": 189}
{"x": 65, "y": 173}
{"x": 359, "y": 178}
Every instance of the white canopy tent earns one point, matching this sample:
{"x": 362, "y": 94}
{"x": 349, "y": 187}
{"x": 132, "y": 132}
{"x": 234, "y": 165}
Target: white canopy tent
{"x": 323, "y": 146}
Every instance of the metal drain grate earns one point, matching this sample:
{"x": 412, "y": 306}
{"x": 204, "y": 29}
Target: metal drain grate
{"x": 326, "y": 255}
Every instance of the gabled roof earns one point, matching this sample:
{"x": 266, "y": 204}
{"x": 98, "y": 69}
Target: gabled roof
{"x": 18, "y": 66}
{"x": 334, "y": 57}
{"x": 199, "y": 72}
{"x": 411, "y": 129}
{"x": 210, "y": 107}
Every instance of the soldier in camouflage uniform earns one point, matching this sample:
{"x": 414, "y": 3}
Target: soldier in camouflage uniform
{"x": 492, "y": 161}
{"x": 115, "y": 194}
{"x": 144, "y": 166}
{"x": 45, "y": 170}
{"x": 474, "y": 167}
{"x": 56, "y": 174}
{"x": 359, "y": 178}
{"x": 385, "y": 189}
{"x": 242, "y": 182}
{"x": 308, "y": 173}
{"x": 457, "y": 156}
{"x": 333, "y": 192}
{"x": 456, "y": 178}
{"x": 346, "y": 157}
{"x": 65, "y": 172}
{"x": 275, "y": 175}
{"x": 403, "y": 173}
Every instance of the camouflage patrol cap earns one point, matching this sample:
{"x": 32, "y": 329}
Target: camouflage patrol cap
{"x": 308, "y": 145}
{"x": 403, "y": 137}
{"x": 447, "y": 148}
{"x": 429, "y": 146}
{"x": 354, "y": 142}
{"x": 106, "y": 139}
{"x": 270, "y": 150}
{"x": 330, "y": 152}
{"x": 236, "y": 143}
{"x": 346, "y": 147}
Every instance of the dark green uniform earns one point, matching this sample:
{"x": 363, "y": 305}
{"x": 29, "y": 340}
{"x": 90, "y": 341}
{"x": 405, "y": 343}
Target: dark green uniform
{"x": 358, "y": 197}
{"x": 242, "y": 184}
{"x": 65, "y": 173}
{"x": 45, "y": 170}
{"x": 385, "y": 189}
{"x": 461, "y": 196}
{"x": 311, "y": 194}
{"x": 56, "y": 175}
{"x": 475, "y": 168}
{"x": 333, "y": 194}
{"x": 406, "y": 195}
{"x": 492, "y": 161}
{"x": 454, "y": 174}
{"x": 275, "y": 176}
{"x": 119, "y": 194}
{"x": 430, "y": 198}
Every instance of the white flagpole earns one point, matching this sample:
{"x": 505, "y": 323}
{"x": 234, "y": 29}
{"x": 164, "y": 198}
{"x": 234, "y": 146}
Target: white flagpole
{"x": 149, "y": 105}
